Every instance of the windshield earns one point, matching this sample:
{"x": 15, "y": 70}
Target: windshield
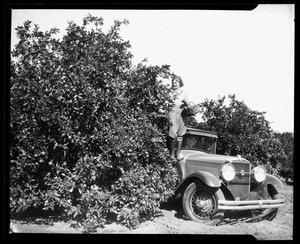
{"x": 196, "y": 142}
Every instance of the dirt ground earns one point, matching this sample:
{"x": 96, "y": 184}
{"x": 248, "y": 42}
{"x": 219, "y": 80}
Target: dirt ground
{"x": 173, "y": 221}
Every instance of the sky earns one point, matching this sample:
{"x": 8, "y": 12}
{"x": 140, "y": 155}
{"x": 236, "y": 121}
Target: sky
{"x": 217, "y": 53}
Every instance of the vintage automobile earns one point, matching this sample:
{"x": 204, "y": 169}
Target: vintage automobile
{"x": 211, "y": 184}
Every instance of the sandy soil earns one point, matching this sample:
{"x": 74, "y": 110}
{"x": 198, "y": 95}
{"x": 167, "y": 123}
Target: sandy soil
{"x": 173, "y": 221}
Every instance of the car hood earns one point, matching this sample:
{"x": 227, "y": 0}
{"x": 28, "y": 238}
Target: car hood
{"x": 191, "y": 155}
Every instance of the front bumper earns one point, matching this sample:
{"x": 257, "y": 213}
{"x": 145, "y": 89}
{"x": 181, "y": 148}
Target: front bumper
{"x": 251, "y": 204}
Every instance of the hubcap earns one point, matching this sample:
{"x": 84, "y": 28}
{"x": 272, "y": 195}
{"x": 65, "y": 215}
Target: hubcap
{"x": 202, "y": 204}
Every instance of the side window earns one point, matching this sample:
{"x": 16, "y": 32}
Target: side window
{"x": 191, "y": 142}
{"x": 202, "y": 143}
{"x": 207, "y": 144}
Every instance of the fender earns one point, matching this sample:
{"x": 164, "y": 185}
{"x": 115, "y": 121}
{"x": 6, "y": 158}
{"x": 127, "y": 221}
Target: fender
{"x": 262, "y": 188}
{"x": 205, "y": 177}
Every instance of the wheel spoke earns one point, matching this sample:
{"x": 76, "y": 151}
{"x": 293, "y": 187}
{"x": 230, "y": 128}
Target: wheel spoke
{"x": 202, "y": 204}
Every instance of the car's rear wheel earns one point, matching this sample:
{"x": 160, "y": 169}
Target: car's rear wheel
{"x": 271, "y": 212}
{"x": 200, "y": 203}
{"x": 268, "y": 213}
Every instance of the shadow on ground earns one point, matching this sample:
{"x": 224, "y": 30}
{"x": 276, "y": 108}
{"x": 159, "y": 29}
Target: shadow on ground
{"x": 39, "y": 216}
{"x": 176, "y": 205}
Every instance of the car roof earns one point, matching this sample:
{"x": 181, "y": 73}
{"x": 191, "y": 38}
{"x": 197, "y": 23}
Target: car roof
{"x": 199, "y": 132}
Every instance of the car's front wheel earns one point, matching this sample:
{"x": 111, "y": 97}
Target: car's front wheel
{"x": 267, "y": 213}
{"x": 200, "y": 203}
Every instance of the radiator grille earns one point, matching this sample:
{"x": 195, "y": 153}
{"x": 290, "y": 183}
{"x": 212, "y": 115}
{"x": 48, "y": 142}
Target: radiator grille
{"x": 240, "y": 185}
{"x": 243, "y": 174}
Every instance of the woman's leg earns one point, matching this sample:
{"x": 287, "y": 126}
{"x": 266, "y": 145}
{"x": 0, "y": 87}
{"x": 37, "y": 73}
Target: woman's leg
{"x": 173, "y": 134}
{"x": 181, "y": 133}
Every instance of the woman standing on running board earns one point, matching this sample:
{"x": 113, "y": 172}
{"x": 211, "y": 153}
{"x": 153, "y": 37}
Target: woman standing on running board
{"x": 178, "y": 128}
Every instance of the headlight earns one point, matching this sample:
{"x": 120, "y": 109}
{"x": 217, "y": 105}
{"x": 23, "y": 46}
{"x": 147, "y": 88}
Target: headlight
{"x": 259, "y": 173}
{"x": 228, "y": 172}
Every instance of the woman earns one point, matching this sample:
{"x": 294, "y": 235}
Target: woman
{"x": 177, "y": 129}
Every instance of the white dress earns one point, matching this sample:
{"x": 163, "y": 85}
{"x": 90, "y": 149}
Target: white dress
{"x": 178, "y": 128}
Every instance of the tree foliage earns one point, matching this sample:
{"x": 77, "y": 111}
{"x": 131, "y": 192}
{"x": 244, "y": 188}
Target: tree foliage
{"x": 287, "y": 141}
{"x": 85, "y": 132}
{"x": 244, "y": 132}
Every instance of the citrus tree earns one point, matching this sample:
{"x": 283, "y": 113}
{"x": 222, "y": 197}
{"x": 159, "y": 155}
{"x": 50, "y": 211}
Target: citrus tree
{"x": 87, "y": 127}
{"x": 244, "y": 132}
{"x": 287, "y": 141}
